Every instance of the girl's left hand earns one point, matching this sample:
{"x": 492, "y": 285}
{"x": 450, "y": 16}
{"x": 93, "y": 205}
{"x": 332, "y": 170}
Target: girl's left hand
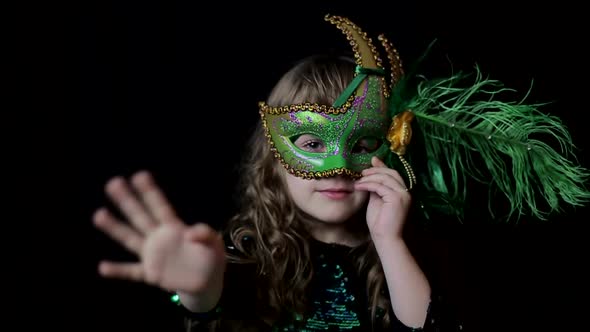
{"x": 389, "y": 200}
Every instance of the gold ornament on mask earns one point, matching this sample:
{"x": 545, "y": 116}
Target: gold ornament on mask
{"x": 399, "y": 137}
{"x": 400, "y": 132}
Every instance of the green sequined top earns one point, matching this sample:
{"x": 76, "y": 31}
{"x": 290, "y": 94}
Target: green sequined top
{"x": 337, "y": 294}
{"x": 337, "y": 302}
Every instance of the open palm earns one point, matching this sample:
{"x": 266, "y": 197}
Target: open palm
{"x": 171, "y": 254}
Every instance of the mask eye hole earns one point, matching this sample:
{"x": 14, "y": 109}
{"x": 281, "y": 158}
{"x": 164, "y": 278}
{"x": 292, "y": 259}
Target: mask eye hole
{"x": 366, "y": 145}
{"x": 309, "y": 143}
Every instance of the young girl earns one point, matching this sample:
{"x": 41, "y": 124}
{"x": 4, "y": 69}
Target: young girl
{"x": 318, "y": 242}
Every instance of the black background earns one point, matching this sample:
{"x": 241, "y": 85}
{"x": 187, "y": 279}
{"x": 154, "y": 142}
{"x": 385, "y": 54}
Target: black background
{"x": 154, "y": 79}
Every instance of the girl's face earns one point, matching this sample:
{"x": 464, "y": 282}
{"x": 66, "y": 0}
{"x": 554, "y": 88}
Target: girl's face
{"x": 330, "y": 200}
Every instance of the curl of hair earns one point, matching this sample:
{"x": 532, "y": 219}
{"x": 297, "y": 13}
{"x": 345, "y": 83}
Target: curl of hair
{"x": 279, "y": 245}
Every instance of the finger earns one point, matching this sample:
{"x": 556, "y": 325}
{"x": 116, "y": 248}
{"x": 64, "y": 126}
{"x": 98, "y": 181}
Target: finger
{"x": 202, "y": 232}
{"x": 385, "y": 179}
{"x": 153, "y": 197}
{"x": 387, "y": 194}
{"x": 128, "y": 271}
{"x": 125, "y": 199}
{"x": 376, "y": 162}
{"x": 118, "y": 230}
{"x": 384, "y": 170}
{"x": 382, "y": 190}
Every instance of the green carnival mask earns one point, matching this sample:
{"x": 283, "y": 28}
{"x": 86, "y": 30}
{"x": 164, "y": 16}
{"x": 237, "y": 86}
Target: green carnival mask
{"x": 358, "y": 117}
{"x": 351, "y": 134}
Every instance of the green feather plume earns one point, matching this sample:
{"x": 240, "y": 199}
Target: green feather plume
{"x": 467, "y": 130}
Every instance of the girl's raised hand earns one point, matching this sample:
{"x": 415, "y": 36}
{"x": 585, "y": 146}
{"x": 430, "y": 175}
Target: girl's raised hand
{"x": 171, "y": 254}
{"x": 389, "y": 200}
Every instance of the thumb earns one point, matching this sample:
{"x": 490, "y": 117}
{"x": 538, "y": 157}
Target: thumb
{"x": 202, "y": 232}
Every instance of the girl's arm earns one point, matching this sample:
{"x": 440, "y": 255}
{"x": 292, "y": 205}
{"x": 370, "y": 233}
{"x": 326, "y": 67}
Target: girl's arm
{"x": 389, "y": 202}
{"x": 409, "y": 290}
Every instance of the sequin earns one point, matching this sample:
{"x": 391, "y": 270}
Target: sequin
{"x": 337, "y": 303}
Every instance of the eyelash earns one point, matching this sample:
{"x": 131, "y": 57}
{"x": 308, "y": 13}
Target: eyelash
{"x": 360, "y": 148}
{"x": 307, "y": 143}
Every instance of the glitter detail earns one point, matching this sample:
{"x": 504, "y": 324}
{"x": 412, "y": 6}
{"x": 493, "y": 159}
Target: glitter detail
{"x": 336, "y": 305}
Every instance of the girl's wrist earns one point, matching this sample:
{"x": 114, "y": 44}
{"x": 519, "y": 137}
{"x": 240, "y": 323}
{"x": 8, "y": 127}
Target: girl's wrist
{"x": 386, "y": 237}
{"x": 389, "y": 241}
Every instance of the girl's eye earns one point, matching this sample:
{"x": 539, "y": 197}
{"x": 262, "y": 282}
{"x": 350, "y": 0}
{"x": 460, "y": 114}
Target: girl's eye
{"x": 310, "y": 143}
{"x": 313, "y": 145}
{"x": 366, "y": 145}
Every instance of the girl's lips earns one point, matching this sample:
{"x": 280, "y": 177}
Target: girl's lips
{"x": 336, "y": 193}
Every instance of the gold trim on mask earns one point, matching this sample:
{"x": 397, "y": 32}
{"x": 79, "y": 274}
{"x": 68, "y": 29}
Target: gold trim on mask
{"x": 325, "y": 174}
{"x": 313, "y": 107}
{"x": 395, "y": 61}
{"x": 365, "y": 54}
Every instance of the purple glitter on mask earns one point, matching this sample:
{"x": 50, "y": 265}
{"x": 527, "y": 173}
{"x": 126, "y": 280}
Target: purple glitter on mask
{"x": 294, "y": 118}
{"x": 358, "y": 101}
{"x": 329, "y": 117}
{"x": 279, "y": 123}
